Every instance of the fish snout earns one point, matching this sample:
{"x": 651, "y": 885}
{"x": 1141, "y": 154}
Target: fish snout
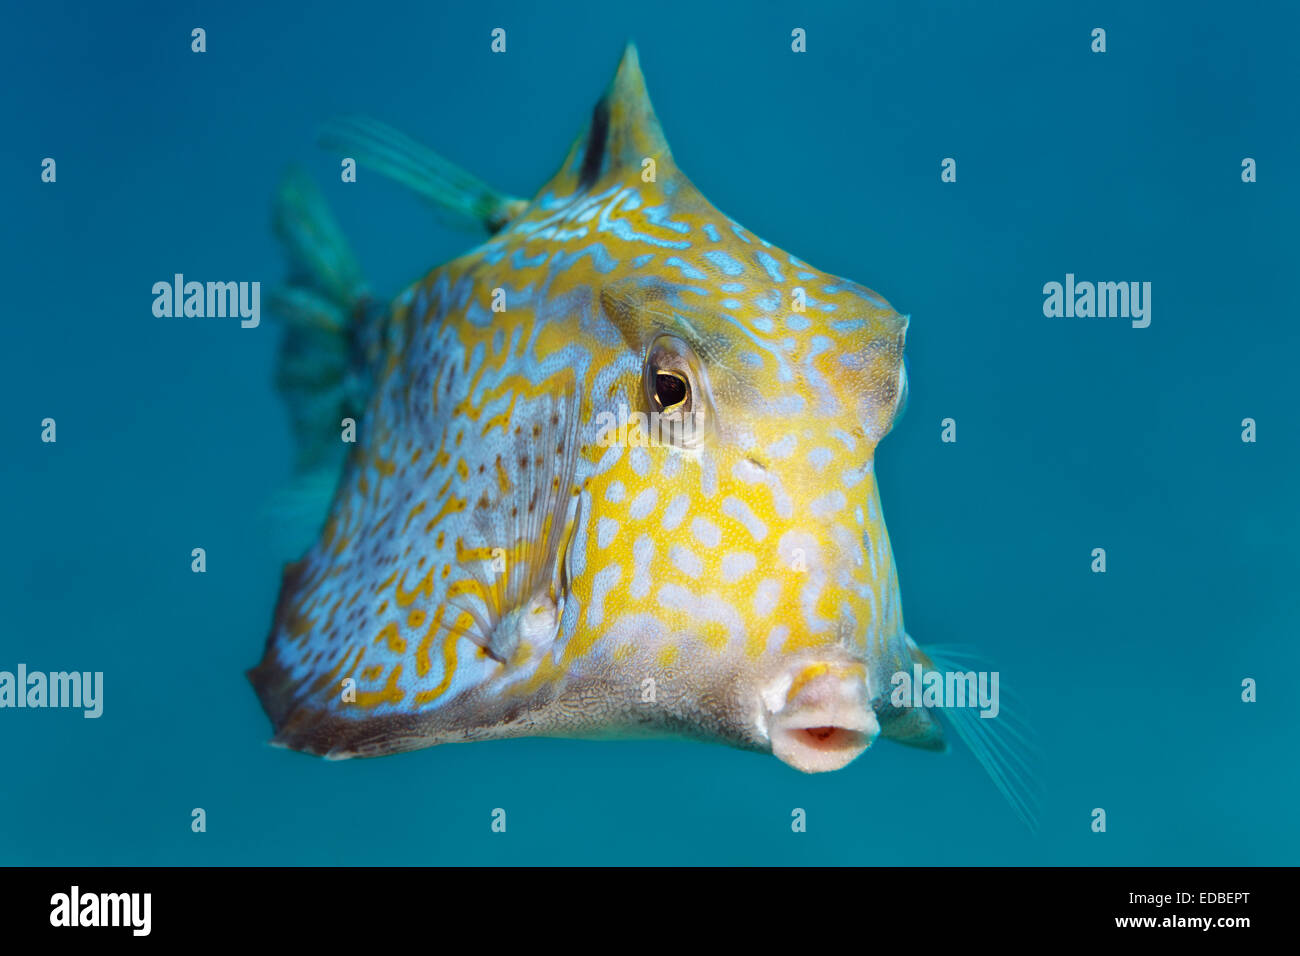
{"x": 818, "y": 716}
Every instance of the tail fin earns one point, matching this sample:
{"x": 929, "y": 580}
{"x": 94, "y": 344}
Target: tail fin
{"x": 321, "y": 305}
{"x": 333, "y": 336}
{"x": 320, "y": 372}
{"x": 419, "y": 168}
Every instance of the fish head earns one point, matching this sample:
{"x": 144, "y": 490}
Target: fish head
{"x": 735, "y": 492}
{"x": 732, "y": 551}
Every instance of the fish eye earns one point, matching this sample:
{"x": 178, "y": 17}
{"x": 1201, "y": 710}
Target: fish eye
{"x": 671, "y": 380}
{"x": 671, "y": 390}
{"x": 667, "y": 377}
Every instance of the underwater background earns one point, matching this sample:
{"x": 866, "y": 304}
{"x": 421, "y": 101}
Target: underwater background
{"x": 1073, "y": 434}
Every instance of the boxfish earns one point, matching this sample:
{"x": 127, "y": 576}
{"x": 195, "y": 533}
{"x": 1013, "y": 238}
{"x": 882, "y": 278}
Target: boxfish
{"x": 608, "y": 474}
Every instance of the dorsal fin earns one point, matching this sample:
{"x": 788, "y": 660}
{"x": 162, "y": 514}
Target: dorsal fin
{"x": 393, "y": 153}
{"x": 622, "y": 133}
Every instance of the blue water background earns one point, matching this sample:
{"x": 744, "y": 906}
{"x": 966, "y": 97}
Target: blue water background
{"x": 1072, "y": 434}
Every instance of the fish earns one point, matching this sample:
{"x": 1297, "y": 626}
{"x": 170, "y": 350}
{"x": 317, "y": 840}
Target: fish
{"x": 611, "y": 475}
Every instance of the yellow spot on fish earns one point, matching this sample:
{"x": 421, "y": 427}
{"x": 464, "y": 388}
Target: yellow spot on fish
{"x": 391, "y": 694}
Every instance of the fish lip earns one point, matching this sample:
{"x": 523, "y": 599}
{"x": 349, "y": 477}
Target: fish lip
{"x": 815, "y": 744}
{"x": 820, "y": 723}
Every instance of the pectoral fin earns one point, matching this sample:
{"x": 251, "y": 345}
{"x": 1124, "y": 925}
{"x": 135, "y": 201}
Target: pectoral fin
{"x": 1005, "y": 747}
{"x": 912, "y": 726}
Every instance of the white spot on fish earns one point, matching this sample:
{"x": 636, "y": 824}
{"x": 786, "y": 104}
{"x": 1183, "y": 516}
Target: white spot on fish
{"x": 642, "y": 553}
{"x": 640, "y": 461}
{"x": 686, "y": 561}
{"x": 601, "y": 582}
{"x": 820, "y": 457}
{"x": 846, "y": 542}
{"x": 643, "y": 504}
{"x": 675, "y": 512}
{"x": 659, "y": 216}
{"x": 828, "y": 504}
{"x": 672, "y": 465}
{"x": 736, "y": 565}
{"x": 751, "y": 474}
{"x": 686, "y": 268}
{"x": 724, "y": 262}
{"x": 854, "y": 476}
{"x": 706, "y": 532}
{"x": 623, "y": 230}
{"x": 708, "y": 475}
{"x": 769, "y": 264}
{"x": 783, "y": 448}
{"x": 608, "y": 460}
{"x": 520, "y": 261}
{"x": 601, "y": 260}
{"x": 708, "y": 608}
{"x": 804, "y": 542}
{"x": 739, "y": 230}
{"x": 766, "y": 595}
{"x": 738, "y": 509}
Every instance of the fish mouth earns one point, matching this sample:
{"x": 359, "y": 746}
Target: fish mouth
{"x": 821, "y": 720}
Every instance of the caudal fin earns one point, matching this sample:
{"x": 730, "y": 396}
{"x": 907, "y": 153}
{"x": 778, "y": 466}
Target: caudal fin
{"x": 320, "y": 373}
